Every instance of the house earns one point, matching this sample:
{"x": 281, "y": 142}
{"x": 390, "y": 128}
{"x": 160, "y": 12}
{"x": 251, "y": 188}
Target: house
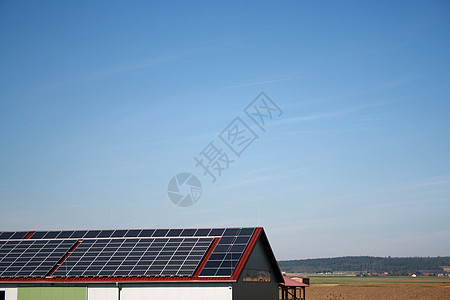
{"x": 138, "y": 264}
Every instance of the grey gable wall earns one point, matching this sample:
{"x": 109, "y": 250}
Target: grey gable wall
{"x": 248, "y": 290}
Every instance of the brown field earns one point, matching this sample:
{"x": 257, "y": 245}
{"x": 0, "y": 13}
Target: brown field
{"x": 375, "y": 291}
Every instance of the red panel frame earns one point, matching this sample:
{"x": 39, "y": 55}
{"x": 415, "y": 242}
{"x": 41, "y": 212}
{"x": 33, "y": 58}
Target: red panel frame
{"x": 58, "y": 264}
{"x": 206, "y": 257}
{"x": 29, "y": 235}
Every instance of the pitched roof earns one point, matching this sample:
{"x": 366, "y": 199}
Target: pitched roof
{"x": 289, "y": 282}
{"x": 205, "y": 254}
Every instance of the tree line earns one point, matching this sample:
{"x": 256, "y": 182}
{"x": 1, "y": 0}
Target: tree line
{"x": 367, "y": 264}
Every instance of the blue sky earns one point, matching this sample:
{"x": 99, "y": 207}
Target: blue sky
{"x": 103, "y": 102}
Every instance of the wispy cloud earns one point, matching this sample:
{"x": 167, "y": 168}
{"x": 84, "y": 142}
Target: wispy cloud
{"x": 355, "y": 93}
{"x": 134, "y": 66}
{"x": 269, "y": 81}
{"x": 128, "y": 67}
{"x": 291, "y": 78}
{"x": 251, "y": 181}
{"x": 329, "y": 115}
{"x": 317, "y": 116}
{"x": 372, "y": 89}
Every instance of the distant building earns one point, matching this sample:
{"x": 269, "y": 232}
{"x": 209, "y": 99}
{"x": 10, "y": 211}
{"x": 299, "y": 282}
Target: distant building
{"x": 293, "y": 288}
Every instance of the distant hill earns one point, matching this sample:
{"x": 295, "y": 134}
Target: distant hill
{"x": 369, "y": 264}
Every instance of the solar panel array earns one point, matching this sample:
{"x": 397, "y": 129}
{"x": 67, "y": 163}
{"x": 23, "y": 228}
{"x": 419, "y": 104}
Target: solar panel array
{"x": 31, "y": 258}
{"x": 141, "y": 233}
{"x": 121, "y": 253}
{"x": 228, "y": 252}
{"x": 92, "y": 234}
{"x": 136, "y": 257}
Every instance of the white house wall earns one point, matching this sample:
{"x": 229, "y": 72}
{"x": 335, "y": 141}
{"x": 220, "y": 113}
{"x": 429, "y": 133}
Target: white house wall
{"x": 102, "y": 293}
{"x": 185, "y": 291}
{"x": 10, "y": 292}
{"x": 171, "y": 291}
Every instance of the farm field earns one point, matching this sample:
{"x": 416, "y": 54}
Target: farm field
{"x": 374, "y": 288}
{"x": 372, "y": 280}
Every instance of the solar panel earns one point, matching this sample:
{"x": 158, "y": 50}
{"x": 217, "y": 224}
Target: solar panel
{"x": 39, "y": 234}
{"x": 188, "y": 232}
{"x": 217, "y": 232}
{"x": 174, "y": 232}
{"x": 31, "y": 258}
{"x": 76, "y": 234}
{"x": 92, "y": 234}
{"x": 65, "y": 234}
{"x": 10, "y": 235}
{"x": 146, "y": 233}
{"x": 202, "y": 232}
{"x": 105, "y": 233}
{"x": 52, "y": 234}
{"x": 119, "y": 233}
{"x": 133, "y": 233}
{"x": 228, "y": 252}
{"x": 135, "y": 257}
{"x": 160, "y": 232}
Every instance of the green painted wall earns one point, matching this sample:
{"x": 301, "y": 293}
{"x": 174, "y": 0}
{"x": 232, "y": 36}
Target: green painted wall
{"x": 51, "y": 293}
